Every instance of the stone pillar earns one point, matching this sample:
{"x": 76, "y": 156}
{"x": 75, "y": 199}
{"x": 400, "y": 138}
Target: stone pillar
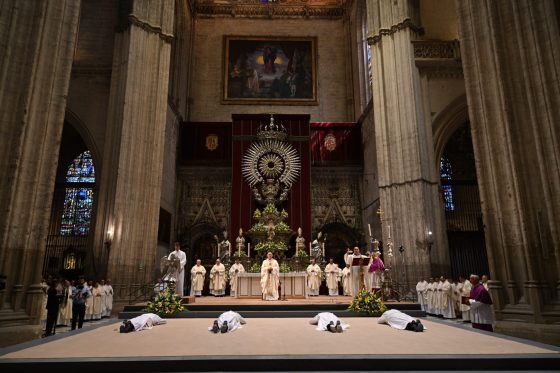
{"x": 511, "y": 59}
{"x": 37, "y": 40}
{"x": 131, "y": 178}
{"x": 408, "y": 178}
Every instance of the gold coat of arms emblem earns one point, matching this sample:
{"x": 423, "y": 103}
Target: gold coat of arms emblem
{"x": 212, "y": 142}
{"x": 330, "y": 142}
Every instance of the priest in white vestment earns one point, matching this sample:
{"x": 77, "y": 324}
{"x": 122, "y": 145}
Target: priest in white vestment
{"x": 180, "y": 274}
{"x": 332, "y": 272}
{"x": 108, "y": 298}
{"x": 347, "y": 281}
{"x": 447, "y": 303}
{"x": 103, "y": 298}
{"x": 356, "y": 271}
{"x": 234, "y": 272}
{"x": 97, "y": 292}
{"x": 65, "y": 310}
{"x": 270, "y": 277}
{"x": 233, "y": 320}
{"x": 218, "y": 279}
{"x": 465, "y": 294}
{"x": 323, "y": 319}
{"x": 198, "y": 272}
{"x": 430, "y": 296}
{"x": 421, "y": 289}
{"x": 439, "y": 297}
{"x": 313, "y": 278}
{"x": 398, "y": 320}
{"x": 146, "y": 321}
{"x": 368, "y": 276}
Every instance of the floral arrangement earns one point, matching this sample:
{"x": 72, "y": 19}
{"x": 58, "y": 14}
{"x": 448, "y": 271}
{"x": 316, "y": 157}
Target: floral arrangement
{"x": 302, "y": 254}
{"x": 273, "y": 246}
{"x": 285, "y": 268}
{"x": 255, "y": 268}
{"x": 282, "y": 227}
{"x": 166, "y": 303}
{"x": 368, "y": 303}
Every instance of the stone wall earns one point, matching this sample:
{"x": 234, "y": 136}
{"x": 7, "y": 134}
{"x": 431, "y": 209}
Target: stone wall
{"x": 207, "y": 67}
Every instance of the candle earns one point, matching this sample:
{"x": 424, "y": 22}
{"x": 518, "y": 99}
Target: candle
{"x": 389, "y": 228}
{"x": 369, "y": 229}
{"x": 310, "y": 249}
{"x": 229, "y": 251}
{"x": 249, "y": 249}
{"x": 323, "y": 249}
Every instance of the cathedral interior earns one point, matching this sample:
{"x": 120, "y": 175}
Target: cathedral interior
{"x": 430, "y": 126}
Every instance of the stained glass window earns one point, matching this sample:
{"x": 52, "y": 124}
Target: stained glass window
{"x": 446, "y": 176}
{"x": 78, "y": 198}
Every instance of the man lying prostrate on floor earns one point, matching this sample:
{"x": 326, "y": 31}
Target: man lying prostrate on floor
{"x": 227, "y": 322}
{"x": 328, "y": 321}
{"x": 399, "y": 320}
{"x": 144, "y": 321}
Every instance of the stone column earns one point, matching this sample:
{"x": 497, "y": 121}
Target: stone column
{"x": 37, "y": 40}
{"x": 408, "y": 178}
{"x": 131, "y": 178}
{"x": 511, "y": 60}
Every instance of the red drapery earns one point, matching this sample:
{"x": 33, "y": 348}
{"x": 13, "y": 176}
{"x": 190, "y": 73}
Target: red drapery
{"x": 298, "y": 206}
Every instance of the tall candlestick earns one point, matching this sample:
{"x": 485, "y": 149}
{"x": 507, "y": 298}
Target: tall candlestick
{"x": 323, "y": 249}
{"x": 389, "y": 228}
{"x": 248, "y": 249}
{"x": 229, "y": 251}
{"x": 369, "y": 229}
{"x": 310, "y": 249}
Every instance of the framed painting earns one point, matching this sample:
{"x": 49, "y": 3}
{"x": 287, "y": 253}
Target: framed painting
{"x": 270, "y": 70}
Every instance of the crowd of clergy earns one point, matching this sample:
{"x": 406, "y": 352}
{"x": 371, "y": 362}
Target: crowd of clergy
{"x": 66, "y": 302}
{"x": 360, "y": 271}
{"x": 465, "y": 299}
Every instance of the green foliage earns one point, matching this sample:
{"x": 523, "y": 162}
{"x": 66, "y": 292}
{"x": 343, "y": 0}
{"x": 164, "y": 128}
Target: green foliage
{"x": 285, "y": 268}
{"x": 271, "y": 209}
{"x": 282, "y": 227}
{"x": 302, "y": 254}
{"x": 368, "y": 303}
{"x": 259, "y": 227}
{"x": 255, "y": 268}
{"x": 257, "y": 214}
{"x": 166, "y": 303}
{"x": 273, "y": 246}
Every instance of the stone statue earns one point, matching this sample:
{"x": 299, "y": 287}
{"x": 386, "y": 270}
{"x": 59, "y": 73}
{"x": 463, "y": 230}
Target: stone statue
{"x": 240, "y": 242}
{"x": 224, "y": 247}
{"x": 317, "y": 248}
{"x": 300, "y": 241}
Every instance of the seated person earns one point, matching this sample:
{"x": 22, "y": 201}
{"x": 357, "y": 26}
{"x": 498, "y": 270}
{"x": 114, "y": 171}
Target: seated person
{"x": 328, "y": 321}
{"x": 399, "y": 320}
{"x": 227, "y": 322}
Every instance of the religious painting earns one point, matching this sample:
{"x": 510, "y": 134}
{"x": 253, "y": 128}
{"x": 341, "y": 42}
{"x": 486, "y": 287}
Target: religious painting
{"x": 270, "y": 70}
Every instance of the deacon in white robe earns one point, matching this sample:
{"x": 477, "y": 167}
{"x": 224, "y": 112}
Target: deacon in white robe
{"x": 356, "y": 271}
{"x": 180, "y": 274}
{"x": 395, "y": 319}
{"x": 233, "y": 319}
{"x": 332, "y": 276}
{"x": 65, "y": 311}
{"x": 89, "y": 302}
{"x": 325, "y": 318}
{"x": 447, "y": 303}
{"x": 108, "y": 298}
{"x": 198, "y": 272}
{"x": 421, "y": 289}
{"x": 347, "y": 281}
{"x": 368, "y": 276}
{"x": 465, "y": 292}
{"x": 218, "y": 279}
{"x": 103, "y": 298}
{"x": 439, "y": 297}
{"x": 146, "y": 321}
{"x": 234, "y": 272}
{"x": 431, "y": 296}
{"x": 96, "y": 293}
{"x": 270, "y": 277}
{"x": 313, "y": 278}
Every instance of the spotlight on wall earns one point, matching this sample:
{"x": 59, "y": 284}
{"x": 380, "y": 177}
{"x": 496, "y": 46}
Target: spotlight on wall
{"x": 109, "y": 238}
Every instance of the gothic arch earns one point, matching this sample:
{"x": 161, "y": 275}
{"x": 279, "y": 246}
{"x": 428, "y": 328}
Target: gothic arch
{"x": 446, "y": 122}
{"x": 74, "y": 120}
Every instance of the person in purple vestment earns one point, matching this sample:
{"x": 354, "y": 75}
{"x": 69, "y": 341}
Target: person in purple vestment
{"x": 377, "y": 267}
{"x": 481, "y": 306}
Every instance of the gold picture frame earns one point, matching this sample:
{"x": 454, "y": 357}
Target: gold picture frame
{"x": 270, "y": 70}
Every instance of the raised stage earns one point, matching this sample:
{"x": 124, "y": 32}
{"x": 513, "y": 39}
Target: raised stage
{"x": 279, "y": 344}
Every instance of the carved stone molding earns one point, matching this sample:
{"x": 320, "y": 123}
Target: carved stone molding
{"x": 331, "y": 9}
{"x": 335, "y": 197}
{"x": 437, "y": 49}
{"x": 144, "y": 25}
{"x": 407, "y": 23}
{"x": 442, "y": 72}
